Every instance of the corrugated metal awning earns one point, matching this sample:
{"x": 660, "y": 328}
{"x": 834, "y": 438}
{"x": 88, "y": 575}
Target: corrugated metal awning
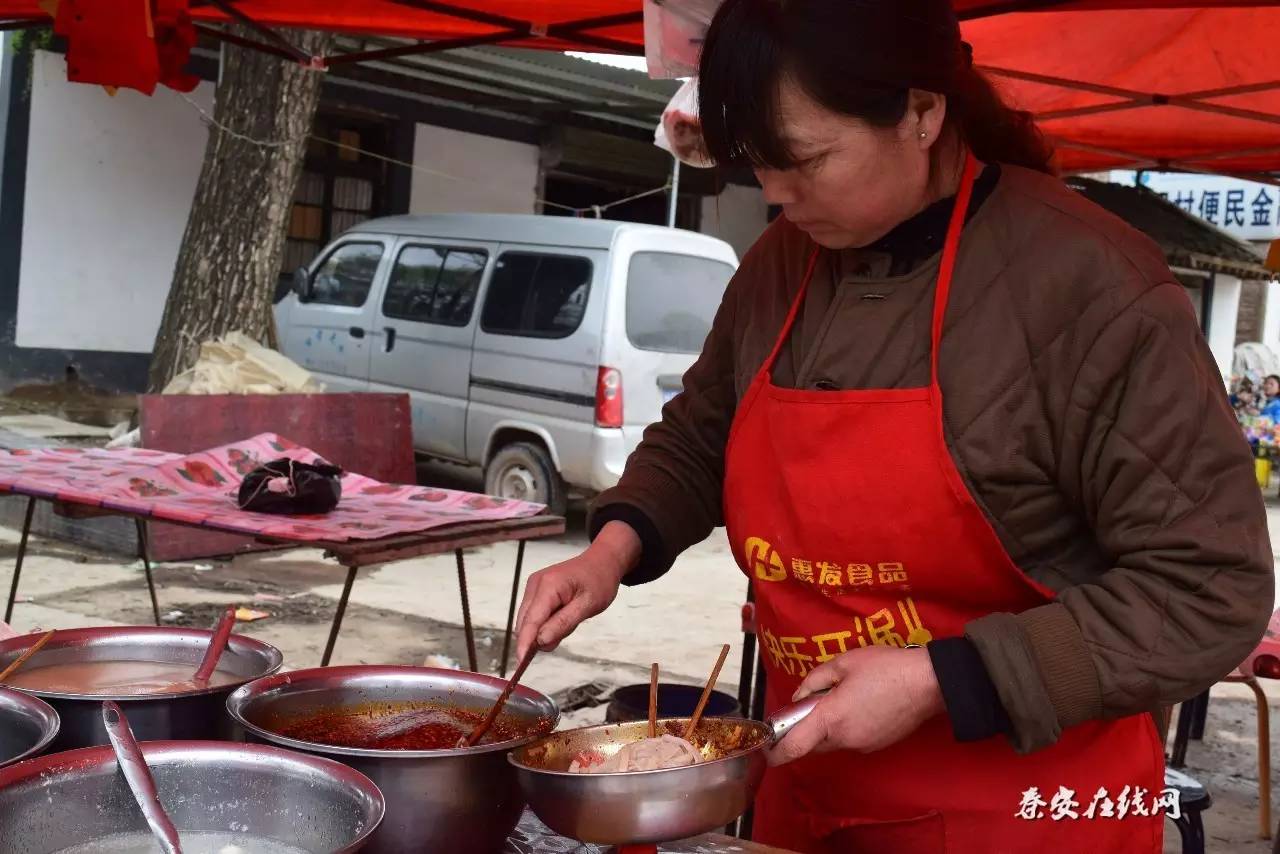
{"x": 541, "y": 86}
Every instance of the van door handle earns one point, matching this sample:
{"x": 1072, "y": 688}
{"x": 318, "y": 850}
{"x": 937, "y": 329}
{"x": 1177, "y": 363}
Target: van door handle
{"x": 391, "y": 338}
{"x": 356, "y": 332}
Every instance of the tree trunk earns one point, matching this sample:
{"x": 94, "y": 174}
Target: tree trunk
{"x": 230, "y": 257}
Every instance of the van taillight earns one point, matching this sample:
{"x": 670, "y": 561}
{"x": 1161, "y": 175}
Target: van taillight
{"x": 609, "y": 398}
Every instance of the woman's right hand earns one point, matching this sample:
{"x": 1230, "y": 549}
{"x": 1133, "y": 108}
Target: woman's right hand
{"x": 558, "y": 598}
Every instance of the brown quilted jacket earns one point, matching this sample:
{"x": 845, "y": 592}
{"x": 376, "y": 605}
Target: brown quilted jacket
{"x": 1083, "y": 409}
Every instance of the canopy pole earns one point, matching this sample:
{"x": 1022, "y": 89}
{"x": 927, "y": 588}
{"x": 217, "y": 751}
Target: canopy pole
{"x": 269, "y": 34}
{"x": 1130, "y": 99}
{"x": 672, "y": 202}
{"x": 420, "y": 48}
{"x": 31, "y": 24}
{"x": 571, "y": 31}
{"x": 240, "y": 41}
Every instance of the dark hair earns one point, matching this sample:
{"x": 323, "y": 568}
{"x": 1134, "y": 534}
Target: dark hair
{"x": 848, "y": 56}
{"x": 1271, "y": 377}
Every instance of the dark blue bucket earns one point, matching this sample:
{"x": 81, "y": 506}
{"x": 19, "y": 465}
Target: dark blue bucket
{"x": 631, "y": 703}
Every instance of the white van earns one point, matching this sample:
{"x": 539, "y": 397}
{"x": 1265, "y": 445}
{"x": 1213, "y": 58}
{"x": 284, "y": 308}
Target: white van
{"x": 536, "y": 347}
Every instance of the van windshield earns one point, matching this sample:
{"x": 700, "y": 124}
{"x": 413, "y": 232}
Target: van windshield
{"x": 672, "y": 299}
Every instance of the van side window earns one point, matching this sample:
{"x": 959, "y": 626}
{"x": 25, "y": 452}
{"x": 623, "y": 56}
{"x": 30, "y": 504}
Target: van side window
{"x": 434, "y": 284}
{"x": 536, "y": 296}
{"x": 346, "y": 276}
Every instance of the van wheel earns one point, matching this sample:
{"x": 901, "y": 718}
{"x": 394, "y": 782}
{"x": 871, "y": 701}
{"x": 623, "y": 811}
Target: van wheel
{"x": 524, "y": 471}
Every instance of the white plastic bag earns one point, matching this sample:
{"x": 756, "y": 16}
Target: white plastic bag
{"x": 673, "y": 34}
{"x": 236, "y": 364}
{"x": 680, "y": 131}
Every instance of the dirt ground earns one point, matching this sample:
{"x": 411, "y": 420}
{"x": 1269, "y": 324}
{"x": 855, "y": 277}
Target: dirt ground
{"x": 409, "y": 613}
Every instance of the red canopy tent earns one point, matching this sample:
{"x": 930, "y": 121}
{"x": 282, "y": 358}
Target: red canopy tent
{"x": 1135, "y": 83}
{"x": 1194, "y": 89}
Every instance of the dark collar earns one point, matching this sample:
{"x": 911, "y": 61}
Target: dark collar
{"x": 921, "y": 237}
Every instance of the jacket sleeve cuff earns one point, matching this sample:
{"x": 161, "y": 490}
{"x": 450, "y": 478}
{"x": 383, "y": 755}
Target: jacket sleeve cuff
{"x": 653, "y": 563}
{"x": 1065, "y": 663}
{"x": 972, "y": 702}
{"x": 1011, "y": 663}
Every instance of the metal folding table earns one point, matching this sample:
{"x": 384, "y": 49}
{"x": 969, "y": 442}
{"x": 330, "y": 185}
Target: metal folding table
{"x": 353, "y": 555}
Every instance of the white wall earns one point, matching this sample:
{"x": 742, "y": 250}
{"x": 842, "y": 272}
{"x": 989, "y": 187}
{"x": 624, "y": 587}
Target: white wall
{"x": 109, "y": 186}
{"x": 737, "y": 216}
{"x": 1222, "y": 321}
{"x": 1271, "y": 315}
{"x": 480, "y": 174}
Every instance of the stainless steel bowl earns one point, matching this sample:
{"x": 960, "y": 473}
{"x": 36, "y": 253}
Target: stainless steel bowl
{"x": 254, "y": 792}
{"x": 648, "y": 807}
{"x": 27, "y": 726}
{"x": 195, "y": 714}
{"x": 461, "y": 801}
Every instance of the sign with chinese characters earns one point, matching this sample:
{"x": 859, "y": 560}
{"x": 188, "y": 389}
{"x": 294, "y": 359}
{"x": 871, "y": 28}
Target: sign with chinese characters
{"x": 1246, "y": 210}
{"x": 832, "y": 578}
{"x": 1130, "y": 801}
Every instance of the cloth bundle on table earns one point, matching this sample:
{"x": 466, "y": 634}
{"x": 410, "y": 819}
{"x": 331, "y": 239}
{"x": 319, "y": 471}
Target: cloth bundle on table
{"x": 289, "y": 487}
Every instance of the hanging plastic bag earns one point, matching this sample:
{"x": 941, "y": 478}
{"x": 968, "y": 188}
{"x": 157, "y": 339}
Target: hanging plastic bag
{"x": 680, "y": 131}
{"x": 673, "y": 34}
{"x": 288, "y": 487}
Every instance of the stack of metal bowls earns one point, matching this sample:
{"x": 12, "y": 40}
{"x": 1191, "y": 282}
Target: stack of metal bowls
{"x": 463, "y": 800}
{"x": 185, "y": 714}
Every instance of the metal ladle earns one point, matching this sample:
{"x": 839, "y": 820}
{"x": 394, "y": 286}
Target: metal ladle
{"x": 134, "y": 767}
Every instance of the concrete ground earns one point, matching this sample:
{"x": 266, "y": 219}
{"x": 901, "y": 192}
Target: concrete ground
{"x": 409, "y": 612}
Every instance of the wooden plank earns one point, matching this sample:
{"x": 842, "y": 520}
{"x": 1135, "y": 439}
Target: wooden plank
{"x": 371, "y": 434}
{"x": 442, "y": 533}
{"x": 533, "y": 837}
{"x": 719, "y": 842}
{"x": 439, "y": 541}
{"x": 80, "y": 511}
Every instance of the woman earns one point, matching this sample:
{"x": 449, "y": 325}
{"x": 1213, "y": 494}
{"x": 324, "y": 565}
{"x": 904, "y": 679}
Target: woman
{"x": 968, "y": 444}
{"x": 1270, "y": 405}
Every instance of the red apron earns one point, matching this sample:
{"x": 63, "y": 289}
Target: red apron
{"x": 847, "y": 513}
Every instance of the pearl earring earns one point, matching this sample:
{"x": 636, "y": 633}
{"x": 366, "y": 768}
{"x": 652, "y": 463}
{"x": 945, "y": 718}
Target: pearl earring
{"x": 924, "y": 134}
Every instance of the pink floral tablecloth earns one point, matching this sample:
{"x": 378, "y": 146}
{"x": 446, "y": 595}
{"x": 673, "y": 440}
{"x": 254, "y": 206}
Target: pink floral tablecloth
{"x": 200, "y": 489}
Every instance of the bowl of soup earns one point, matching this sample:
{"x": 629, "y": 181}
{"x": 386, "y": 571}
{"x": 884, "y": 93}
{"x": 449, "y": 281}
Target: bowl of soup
{"x": 401, "y": 727}
{"x": 27, "y": 726}
{"x": 146, "y": 669}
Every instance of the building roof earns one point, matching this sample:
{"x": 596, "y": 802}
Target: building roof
{"x": 1187, "y": 241}
{"x": 533, "y": 85}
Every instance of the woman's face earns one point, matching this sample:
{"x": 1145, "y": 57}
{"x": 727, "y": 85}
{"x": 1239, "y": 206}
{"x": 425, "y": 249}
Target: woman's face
{"x": 1270, "y": 387}
{"x": 854, "y": 182}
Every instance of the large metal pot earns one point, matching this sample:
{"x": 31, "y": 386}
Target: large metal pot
{"x": 251, "y": 793}
{"x": 192, "y": 714}
{"x": 27, "y": 726}
{"x": 463, "y": 801}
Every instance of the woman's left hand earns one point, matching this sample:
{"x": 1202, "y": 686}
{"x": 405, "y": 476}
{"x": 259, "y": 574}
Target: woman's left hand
{"x": 879, "y": 695}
